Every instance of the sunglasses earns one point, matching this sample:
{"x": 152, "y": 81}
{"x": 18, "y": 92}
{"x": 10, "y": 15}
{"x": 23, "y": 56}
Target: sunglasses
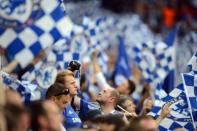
{"x": 65, "y": 92}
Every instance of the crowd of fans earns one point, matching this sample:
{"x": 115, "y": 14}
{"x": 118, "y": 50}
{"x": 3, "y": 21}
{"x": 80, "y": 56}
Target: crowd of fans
{"x": 96, "y": 104}
{"x": 107, "y": 109}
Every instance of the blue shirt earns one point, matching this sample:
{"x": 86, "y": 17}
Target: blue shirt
{"x": 72, "y": 119}
{"x": 86, "y": 106}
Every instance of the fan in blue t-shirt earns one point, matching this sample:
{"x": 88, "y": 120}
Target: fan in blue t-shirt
{"x": 72, "y": 118}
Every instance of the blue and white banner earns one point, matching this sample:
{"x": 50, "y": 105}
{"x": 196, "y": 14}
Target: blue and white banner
{"x": 57, "y": 58}
{"x": 179, "y": 116}
{"x": 29, "y": 26}
{"x": 192, "y": 64}
{"x": 190, "y": 85}
{"x": 155, "y": 60}
{"x": 27, "y": 90}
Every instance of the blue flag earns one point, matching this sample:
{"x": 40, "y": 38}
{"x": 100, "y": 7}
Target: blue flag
{"x": 122, "y": 71}
{"x": 179, "y": 116}
{"x": 190, "y": 84}
{"x": 154, "y": 59}
{"x": 168, "y": 83}
{"x": 192, "y": 64}
{"x": 27, "y": 27}
{"x": 25, "y": 89}
{"x": 58, "y": 57}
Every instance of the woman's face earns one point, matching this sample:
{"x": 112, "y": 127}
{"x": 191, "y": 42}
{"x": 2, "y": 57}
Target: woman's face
{"x": 129, "y": 106}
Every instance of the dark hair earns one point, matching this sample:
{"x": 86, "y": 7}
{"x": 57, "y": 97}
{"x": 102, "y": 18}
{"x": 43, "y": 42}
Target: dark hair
{"x": 119, "y": 6}
{"x": 131, "y": 86}
{"x": 134, "y": 125}
{"x": 56, "y": 89}
{"x": 143, "y": 117}
{"x": 36, "y": 110}
{"x": 12, "y": 115}
{"x": 122, "y": 100}
{"x": 116, "y": 120}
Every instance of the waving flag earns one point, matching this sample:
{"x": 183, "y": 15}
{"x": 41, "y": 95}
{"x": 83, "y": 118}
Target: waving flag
{"x": 159, "y": 93}
{"x": 58, "y": 58}
{"x": 190, "y": 84}
{"x": 154, "y": 59}
{"x": 193, "y": 64}
{"x": 29, "y": 26}
{"x": 180, "y": 116}
{"x": 98, "y": 32}
{"x": 122, "y": 71}
{"x": 168, "y": 83}
{"x": 27, "y": 90}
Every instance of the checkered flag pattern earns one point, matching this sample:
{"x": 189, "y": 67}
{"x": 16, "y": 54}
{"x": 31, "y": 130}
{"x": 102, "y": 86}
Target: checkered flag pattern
{"x": 190, "y": 85}
{"x": 58, "y": 58}
{"x": 192, "y": 64}
{"x": 27, "y": 90}
{"x": 179, "y": 116}
{"x": 154, "y": 60}
{"x": 97, "y": 31}
{"x": 51, "y": 25}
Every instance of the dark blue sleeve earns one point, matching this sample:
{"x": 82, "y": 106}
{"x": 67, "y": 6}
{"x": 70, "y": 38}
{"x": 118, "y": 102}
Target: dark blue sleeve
{"x": 85, "y": 107}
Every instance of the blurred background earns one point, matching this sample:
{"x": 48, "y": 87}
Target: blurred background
{"x": 145, "y": 41}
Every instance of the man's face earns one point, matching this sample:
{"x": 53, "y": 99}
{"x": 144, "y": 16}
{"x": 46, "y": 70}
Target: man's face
{"x": 149, "y": 125}
{"x": 54, "y": 115}
{"x": 104, "y": 95}
{"x": 70, "y": 83}
{"x": 62, "y": 102}
{"x": 130, "y": 106}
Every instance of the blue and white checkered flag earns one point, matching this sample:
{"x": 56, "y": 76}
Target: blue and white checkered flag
{"x": 190, "y": 85}
{"x": 159, "y": 93}
{"x": 192, "y": 64}
{"x": 97, "y": 31}
{"x": 155, "y": 60}
{"x": 27, "y": 27}
{"x": 27, "y": 90}
{"x": 180, "y": 116}
{"x": 45, "y": 72}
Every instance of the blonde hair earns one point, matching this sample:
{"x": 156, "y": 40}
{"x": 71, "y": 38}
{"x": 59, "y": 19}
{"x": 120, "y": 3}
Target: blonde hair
{"x": 60, "y": 78}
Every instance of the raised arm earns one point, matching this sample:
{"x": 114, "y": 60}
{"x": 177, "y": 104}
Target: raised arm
{"x": 100, "y": 79}
{"x": 164, "y": 113}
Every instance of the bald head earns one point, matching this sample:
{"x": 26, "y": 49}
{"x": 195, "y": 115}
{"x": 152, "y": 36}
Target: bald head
{"x": 114, "y": 94}
{"x": 108, "y": 96}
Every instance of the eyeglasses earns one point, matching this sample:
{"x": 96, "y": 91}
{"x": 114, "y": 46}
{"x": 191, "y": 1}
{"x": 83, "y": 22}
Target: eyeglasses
{"x": 64, "y": 92}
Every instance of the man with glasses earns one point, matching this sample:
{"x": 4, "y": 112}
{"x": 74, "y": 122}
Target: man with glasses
{"x": 58, "y": 94}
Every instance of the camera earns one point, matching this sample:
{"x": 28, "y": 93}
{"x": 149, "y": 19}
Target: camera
{"x": 74, "y": 65}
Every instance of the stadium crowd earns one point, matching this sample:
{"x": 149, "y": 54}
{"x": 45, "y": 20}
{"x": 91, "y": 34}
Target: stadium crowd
{"x": 97, "y": 103}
